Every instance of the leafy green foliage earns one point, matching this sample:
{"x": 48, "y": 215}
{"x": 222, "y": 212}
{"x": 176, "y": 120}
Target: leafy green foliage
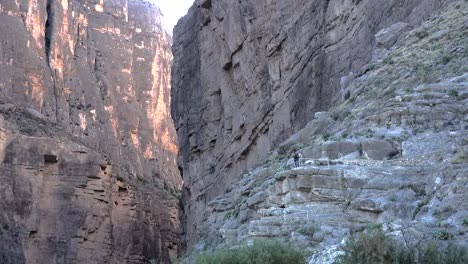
{"x": 261, "y": 252}
{"x": 376, "y": 248}
{"x": 369, "y": 248}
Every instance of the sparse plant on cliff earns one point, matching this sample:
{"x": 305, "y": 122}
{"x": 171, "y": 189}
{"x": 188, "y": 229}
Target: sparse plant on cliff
{"x": 424, "y": 73}
{"x": 442, "y": 234}
{"x": 309, "y": 230}
{"x": 232, "y": 214}
{"x": 388, "y": 60}
{"x": 142, "y": 180}
{"x": 340, "y": 114}
{"x": 369, "y": 133}
{"x": 453, "y": 93}
{"x": 460, "y": 158}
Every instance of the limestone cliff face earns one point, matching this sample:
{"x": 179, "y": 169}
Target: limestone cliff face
{"x": 248, "y": 74}
{"x": 99, "y": 71}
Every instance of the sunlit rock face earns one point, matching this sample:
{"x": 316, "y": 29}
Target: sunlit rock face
{"x": 248, "y": 74}
{"x": 99, "y": 70}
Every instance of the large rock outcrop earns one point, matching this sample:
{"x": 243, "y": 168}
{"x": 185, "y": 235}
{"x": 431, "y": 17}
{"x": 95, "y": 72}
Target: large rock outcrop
{"x": 249, "y": 74}
{"x": 99, "y": 73}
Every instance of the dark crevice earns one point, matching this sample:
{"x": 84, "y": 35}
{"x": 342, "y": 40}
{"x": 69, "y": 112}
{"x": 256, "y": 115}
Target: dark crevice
{"x": 50, "y": 158}
{"x": 48, "y": 30}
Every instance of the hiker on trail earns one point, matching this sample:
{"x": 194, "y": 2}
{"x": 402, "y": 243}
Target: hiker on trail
{"x": 296, "y": 159}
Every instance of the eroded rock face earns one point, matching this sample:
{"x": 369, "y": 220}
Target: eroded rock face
{"x": 391, "y": 156}
{"x": 102, "y": 70}
{"x": 99, "y": 71}
{"x": 249, "y": 74}
{"x": 65, "y": 203}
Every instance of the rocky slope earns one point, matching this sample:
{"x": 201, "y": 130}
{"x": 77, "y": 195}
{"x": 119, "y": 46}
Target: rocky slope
{"x": 249, "y": 74}
{"x": 392, "y": 155}
{"x": 88, "y": 170}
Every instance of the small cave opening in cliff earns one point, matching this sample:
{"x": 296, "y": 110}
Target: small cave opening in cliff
{"x": 206, "y": 4}
{"x": 32, "y": 233}
{"x": 50, "y": 158}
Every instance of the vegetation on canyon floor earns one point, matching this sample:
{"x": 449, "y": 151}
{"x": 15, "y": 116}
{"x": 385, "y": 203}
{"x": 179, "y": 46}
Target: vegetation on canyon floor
{"x": 260, "y": 252}
{"x": 376, "y": 247}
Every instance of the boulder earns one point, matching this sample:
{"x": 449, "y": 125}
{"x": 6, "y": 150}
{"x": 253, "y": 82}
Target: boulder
{"x": 387, "y": 37}
{"x": 256, "y": 199}
{"x": 379, "y": 149}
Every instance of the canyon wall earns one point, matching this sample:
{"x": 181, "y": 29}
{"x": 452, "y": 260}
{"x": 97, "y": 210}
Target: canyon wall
{"x": 249, "y": 74}
{"x": 102, "y": 186}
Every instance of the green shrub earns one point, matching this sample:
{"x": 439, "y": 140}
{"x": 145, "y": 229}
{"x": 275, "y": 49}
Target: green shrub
{"x": 376, "y": 248}
{"x": 261, "y": 252}
{"x": 421, "y": 34}
{"x": 232, "y": 214}
{"x": 388, "y": 60}
{"x": 425, "y": 73}
{"x": 453, "y": 93}
{"x": 142, "y": 179}
{"x": 442, "y": 234}
{"x": 465, "y": 221}
{"x": 369, "y": 133}
{"x": 309, "y": 230}
{"x": 445, "y": 59}
{"x": 374, "y": 226}
{"x": 432, "y": 254}
{"x": 460, "y": 158}
{"x": 368, "y": 248}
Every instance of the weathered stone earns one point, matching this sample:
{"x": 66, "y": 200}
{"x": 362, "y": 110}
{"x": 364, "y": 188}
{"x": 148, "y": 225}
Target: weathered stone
{"x": 35, "y": 114}
{"x": 248, "y": 75}
{"x": 379, "y": 149}
{"x": 335, "y": 150}
{"x": 389, "y": 108}
{"x": 387, "y": 37}
{"x": 245, "y": 215}
{"x": 5, "y": 108}
{"x": 97, "y": 72}
{"x": 438, "y": 35}
{"x": 52, "y": 193}
{"x": 318, "y": 236}
{"x": 256, "y": 199}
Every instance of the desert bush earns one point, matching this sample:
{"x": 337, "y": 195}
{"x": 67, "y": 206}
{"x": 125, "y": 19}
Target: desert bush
{"x": 375, "y": 247}
{"x": 261, "y": 252}
{"x": 309, "y": 230}
{"x": 368, "y": 248}
{"x": 453, "y": 93}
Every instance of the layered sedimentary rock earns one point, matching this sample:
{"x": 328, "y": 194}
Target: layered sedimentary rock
{"x": 248, "y": 74}
{"x": 65, "y": 203}
{"x": 99, "y": 71}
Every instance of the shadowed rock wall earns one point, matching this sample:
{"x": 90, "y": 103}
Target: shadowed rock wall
{"x": 99, "y": 70}
{"x": 248, "y": 74}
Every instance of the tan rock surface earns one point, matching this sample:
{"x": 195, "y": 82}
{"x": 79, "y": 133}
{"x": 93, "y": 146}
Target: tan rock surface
{"x": 83, "y": 83}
